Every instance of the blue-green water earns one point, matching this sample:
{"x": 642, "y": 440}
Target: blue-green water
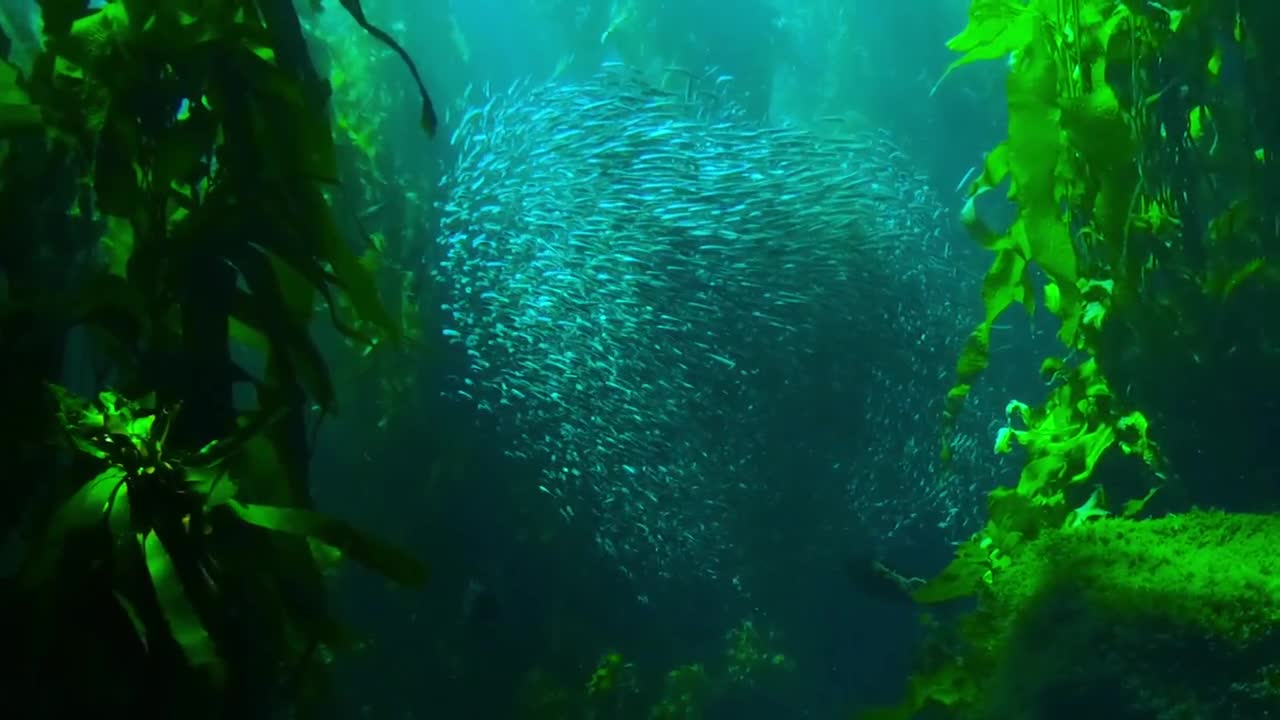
{"x": 700, "y": 288}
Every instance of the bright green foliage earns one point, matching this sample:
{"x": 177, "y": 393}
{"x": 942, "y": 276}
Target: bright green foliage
{"x": 1218, "y": 573}
{"x": 996, "y": 28}
{"x": 611, "y": 675}
{"x": 1086, "y": 214}
{"x": 1091, "y": 228}
{"x": 191, "y": 139}
{"x": 1060, "y": 159}
{"x": 183, "y": 621}
{"x": 1207, "y": 577}
{"x": 1064, "y": 440}
{"x": 1087, "y": 220}
{"x": 148, "y": 492}
{"x": 1066, "y": 165}
{"x": 751, "y": 654}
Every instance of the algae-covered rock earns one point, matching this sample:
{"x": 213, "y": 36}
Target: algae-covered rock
{"x": 1168, "y": 619}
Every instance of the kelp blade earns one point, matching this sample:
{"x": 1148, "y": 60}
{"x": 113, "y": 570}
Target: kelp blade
{"x": 184, "y": 623}
{"x": 368, "y": 551}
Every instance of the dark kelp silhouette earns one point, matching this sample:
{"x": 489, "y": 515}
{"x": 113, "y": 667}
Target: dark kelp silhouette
{"x": 163, "y": 177}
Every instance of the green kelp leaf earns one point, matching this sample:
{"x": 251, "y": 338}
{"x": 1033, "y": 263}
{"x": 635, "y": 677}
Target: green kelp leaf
{"x": 94, "y": 42}
{"x": 308, "y": 241}
{"x": 247, "y": 336}
{"x": 264, "y": 309}
{"x": 976, "y": 353}
{"x": 183, "y": 621}
{"x": 368, "y": 551}
{"x": 140, "y": 428}
{"x": 358, "y": 283}
{"x": 298, "y": 283}
{"x": 263, "y": 471}
{"x": 1093, "y": 445}
{"x": 1035, "y": 153}
{"x": 290, "y": 346}
{"x": 212, "y": 483}
{"x": 1093, "y": 315}
{"x": 142, "y": 14}
{"x": 995, "y": 169}
{"x": 17, "y": 113}
{"x": 995, "y": 29}
{"x": 84, "y": 510}
{"x": 1105, "y": 138}
{"x": 89, "y": 504}
{"x": 1239, "y": 277}
{"x": 301, "y": 276}
{"x": 120, "y": 514}
{"x": 75, "y": 410}
{"x": 950, "y": 686}
{"x": 1040, "y": 473}
{"x": 1015, "y": 516}
{"x": 117, "y": 244}
{"x": 1006, "y": 283}
{"x": 117, "y": 412}
{"x": 327, "y": 557}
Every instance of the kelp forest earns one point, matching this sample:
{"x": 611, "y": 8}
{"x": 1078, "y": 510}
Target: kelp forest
{"x": 1141, "y": 159}
{"x": 172, "y": 226}
{"x": 215, "y": 249}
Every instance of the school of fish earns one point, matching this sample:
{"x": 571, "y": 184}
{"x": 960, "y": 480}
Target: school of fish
{"x": 636, "y": 273}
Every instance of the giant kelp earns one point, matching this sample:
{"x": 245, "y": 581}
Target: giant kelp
{"x": 166, "y": 168}
{"x": 1142, "y": 225}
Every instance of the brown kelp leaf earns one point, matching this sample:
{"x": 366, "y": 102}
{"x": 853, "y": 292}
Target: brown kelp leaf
{"x": 428, "y": 120}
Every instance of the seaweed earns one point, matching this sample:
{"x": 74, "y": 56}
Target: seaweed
{"x": 165, "y": 178}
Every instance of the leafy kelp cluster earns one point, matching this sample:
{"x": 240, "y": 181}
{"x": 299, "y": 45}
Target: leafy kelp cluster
{"x": 168, "y": 233}
{"x": 627, "y": 265}
{"x": 1143, "y": 173}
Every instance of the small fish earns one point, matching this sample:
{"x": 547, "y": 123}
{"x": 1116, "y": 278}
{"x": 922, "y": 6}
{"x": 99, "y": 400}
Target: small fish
{"x": 627, "y": 267}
